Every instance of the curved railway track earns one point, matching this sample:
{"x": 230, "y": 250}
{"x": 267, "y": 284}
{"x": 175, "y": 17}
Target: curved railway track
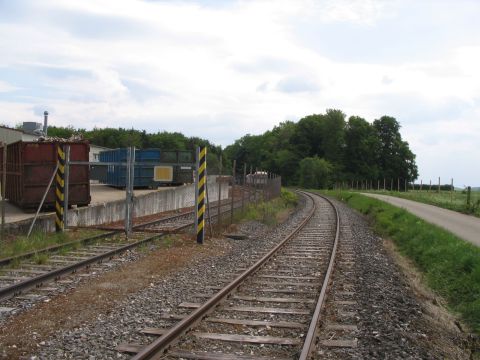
{"x": 14, "y": 281}
{"x": 269, "y": 311}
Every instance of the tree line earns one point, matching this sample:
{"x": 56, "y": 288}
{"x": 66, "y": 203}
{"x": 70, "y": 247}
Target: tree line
{"x": 119, "y": 138}
{"x": 321, "y": 149}
{"x": 314, "y": 152}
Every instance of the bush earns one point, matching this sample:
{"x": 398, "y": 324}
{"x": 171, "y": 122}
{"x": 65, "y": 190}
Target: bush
{"x": 314, "y": 173}
{"x": 289, "y": 198}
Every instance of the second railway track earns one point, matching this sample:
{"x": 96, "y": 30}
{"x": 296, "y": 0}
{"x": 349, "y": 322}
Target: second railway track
{"x": 269, "y": 311}
{"x": 15, "y": 281}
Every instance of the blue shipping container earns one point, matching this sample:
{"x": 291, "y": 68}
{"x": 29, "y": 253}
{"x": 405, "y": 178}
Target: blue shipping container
{"x": 143, "y": 174}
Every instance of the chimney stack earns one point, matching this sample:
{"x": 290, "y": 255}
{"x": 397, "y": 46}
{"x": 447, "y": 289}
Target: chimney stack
{"x": 45, "y": 122}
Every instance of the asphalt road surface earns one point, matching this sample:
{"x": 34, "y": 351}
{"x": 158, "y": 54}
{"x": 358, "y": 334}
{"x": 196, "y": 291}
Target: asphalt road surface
{"x": 464, "y": 226}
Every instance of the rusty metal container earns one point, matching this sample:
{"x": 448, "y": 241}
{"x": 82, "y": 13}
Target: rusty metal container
{"x": 30, "y": 166}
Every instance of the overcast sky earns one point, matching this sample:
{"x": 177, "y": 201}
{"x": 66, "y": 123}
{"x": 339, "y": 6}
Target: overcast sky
{"x": 222, "y": 69}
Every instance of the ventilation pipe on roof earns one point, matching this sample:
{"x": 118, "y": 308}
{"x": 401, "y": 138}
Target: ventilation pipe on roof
{"x": 45, "y": 122}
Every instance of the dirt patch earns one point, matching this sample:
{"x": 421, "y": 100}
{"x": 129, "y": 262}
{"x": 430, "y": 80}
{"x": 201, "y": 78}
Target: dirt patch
{"x": 444, "y": 332}
{"x": 24, "y": 333}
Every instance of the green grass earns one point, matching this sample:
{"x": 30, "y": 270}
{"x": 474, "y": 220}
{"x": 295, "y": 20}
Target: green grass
{"x": 169, "y": 240}
{"x": 271, "y": 212}
{"x": 451, "y": 266}
{"x": 40, "y": 259}
{"x": 456, "y": 201}
{"x": 17, "y": 245}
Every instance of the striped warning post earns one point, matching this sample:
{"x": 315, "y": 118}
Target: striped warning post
{"x": 202, "y": 171}
{"x": 60, "y": 189}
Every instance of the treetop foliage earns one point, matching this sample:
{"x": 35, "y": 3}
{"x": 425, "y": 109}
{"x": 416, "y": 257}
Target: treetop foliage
{"x": 119, "y": 138}
{"x": 314, "y": 152}
{"x": 323, "y": 148}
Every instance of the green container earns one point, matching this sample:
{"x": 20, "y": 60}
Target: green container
{"x": 168, "y": 157}
{"x": 185, "y": 157}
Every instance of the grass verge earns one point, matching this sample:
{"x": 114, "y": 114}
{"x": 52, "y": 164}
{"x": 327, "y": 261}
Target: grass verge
{"x": 451, "y": 266}
{"x": 456, "y": 201}
{"x": 17, "y": 245}
{"x": 271, "y": 212}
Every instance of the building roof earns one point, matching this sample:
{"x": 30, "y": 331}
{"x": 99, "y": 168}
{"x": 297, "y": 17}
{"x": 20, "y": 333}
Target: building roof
{"x": 101, "y": 147}
{"x": 9, "y": 128}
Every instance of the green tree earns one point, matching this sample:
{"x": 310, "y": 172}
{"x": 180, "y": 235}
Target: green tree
{"x": 333, "y": 136}
{"x": 396, "y": 160}
{"x": 362, "y": 150}
{"x": 63, "y": 132}
{"x": 314, "y": 173}
{"x": 167, "y": 141}
{"x": 285, "y": 163}
{"x": 316, "y": 150}
{"x": 307, "y": 137}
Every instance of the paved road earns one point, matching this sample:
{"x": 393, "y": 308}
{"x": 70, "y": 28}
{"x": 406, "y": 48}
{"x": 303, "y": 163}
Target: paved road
{"x": 465, "y": 226}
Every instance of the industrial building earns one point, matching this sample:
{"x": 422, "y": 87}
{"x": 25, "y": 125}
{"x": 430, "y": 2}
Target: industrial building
{"x": 32, "y": 131}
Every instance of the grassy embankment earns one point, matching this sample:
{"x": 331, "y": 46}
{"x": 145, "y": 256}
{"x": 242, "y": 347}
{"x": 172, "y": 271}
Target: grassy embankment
{"x": 17, "y": 245}
{"x": 451, "y": 266}
{"x": 271, "y": 212}
{"x": 456, "y": 201}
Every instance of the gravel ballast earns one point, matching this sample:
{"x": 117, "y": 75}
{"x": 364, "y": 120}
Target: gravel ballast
{"x": 392, "y": 322}
{"x": 146, "y": 308}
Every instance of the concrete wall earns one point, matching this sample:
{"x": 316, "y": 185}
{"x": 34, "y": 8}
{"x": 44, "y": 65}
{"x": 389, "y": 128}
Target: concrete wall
{"x": 164, "y": 200}
{"x": 95, "y": 150}
{"x": 9, "y": 136}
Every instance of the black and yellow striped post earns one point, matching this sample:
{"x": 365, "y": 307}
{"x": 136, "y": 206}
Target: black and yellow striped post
{"x": 200, "y": 193}
{"x": 60, "y": 189}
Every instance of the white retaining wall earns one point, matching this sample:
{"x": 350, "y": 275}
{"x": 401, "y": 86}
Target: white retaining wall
{"x": 147, "y": 204}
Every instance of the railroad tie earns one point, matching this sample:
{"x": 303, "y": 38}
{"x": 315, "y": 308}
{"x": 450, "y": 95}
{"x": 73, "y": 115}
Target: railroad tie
{"x": 248, "y": 338}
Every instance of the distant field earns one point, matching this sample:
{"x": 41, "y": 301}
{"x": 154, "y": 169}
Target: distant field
{"x": 456, "y": 201}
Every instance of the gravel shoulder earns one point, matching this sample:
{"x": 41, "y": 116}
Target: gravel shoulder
{"x": 398, "y": 317}
{"x": 89, "y": 321}
{"x": 466, "y": 227}
{"x": 395, "y": 319}
{"x": 98, "y": 295}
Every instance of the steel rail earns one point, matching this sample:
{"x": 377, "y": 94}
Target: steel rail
{"x": 14, "y": 289}
{"x": 186, "y": 213}
{"x": 111, "y": 232}
{"x": 310, "y": 338}
{"x": 7, "y": 261}
{"x": 27, "y": 284}
{"x": 155, "y": 349}
{"x": 153, "y": 222}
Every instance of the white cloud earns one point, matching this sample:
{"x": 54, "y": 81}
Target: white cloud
{"x": 364, "y": 12}
{"x": 242, "y": 67}
{"x": 6, "y": 87}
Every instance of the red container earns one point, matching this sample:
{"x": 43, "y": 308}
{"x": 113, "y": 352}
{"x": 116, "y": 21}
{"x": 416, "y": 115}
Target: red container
{"x": 30, "y": 166}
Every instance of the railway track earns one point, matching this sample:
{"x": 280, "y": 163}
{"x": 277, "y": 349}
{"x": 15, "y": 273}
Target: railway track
{"x": 268, "y": 311}
{"x": 15, "y": 281}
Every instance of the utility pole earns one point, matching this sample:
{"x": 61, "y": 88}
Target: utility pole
{"x": 130, "y": 171}
{"x": 233, "y": 191}
{"x": 4, "y": 186}
{"x": 219, "y": 219}
{"x": 244, "y": 183}
{"x": 67, "y": 185}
